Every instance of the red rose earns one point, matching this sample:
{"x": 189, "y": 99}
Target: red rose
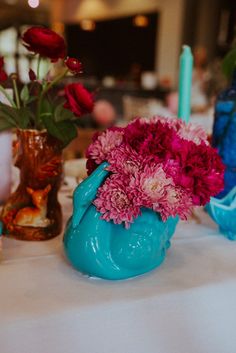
{"x": 3, "y": 75}
{"x": 74, "y": 65}
{"x": 44, "y": 42}
{"x": 78, "y": 99}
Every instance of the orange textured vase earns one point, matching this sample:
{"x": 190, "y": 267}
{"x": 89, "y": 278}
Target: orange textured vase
{"x": 33, "y": 212}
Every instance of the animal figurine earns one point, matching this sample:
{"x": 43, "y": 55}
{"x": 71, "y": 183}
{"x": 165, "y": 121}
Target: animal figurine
{"x": 34, "y": 216}
{"x": 110, "y": 251}
{"x": 223, "y": 212}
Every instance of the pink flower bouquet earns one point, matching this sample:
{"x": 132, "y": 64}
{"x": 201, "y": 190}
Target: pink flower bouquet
{"x": 159, "y": 163}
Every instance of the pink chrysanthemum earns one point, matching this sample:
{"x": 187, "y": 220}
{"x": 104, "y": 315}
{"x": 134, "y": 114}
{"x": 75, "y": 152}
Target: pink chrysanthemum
{"x": 176, "y": 203}
{"x": 152, "y": 184}
{"x": 124, "y": 159}
{"x": 191, "y": 132}
{"x": 100, "y": 149}
{"x": 116, "y": 202}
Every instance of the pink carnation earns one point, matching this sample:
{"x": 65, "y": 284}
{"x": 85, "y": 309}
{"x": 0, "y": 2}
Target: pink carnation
{"x": 116, "y": 201}
{"x": 202, "y": 172}
{"x": 190, "y": 132}
{"x": 150, "y": 138}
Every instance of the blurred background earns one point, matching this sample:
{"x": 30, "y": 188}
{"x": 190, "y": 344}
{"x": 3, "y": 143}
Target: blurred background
{"x": 130, "y": 51}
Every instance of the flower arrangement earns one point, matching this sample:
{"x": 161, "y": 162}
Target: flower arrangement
{"x": 33, "y": 107}
{"x": 159, "y": 163}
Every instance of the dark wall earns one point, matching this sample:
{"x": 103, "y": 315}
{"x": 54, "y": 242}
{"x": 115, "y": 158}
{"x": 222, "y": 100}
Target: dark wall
{"x": 114, "y": 46}
{"x": 203, "y": 21}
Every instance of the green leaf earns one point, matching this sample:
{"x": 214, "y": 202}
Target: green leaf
{"x": 229, "y": 63}
{"x": 16, "y": 117}
{"x": 65, "y": 131}
{"x": 24, "y": 95}
{"x": 25, "y": 115}
{"x": 32, "y": 99}
{"x": 5, "y": 124}
{"x": 62, "y": 114}
{"x": 9, "y": 114}
{"x": 46, "y": 107}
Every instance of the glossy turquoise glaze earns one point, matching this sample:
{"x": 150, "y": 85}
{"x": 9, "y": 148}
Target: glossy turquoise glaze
{"x": 110, "y": 251}
{"x": 223, "y": 212}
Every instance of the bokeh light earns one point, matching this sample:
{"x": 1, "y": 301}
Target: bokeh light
{"x": 33, "y": 3}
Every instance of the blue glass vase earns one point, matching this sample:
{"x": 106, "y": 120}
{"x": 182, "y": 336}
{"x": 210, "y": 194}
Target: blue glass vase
{"x": 103, "y": 249}
{"x": 224, "y": 133}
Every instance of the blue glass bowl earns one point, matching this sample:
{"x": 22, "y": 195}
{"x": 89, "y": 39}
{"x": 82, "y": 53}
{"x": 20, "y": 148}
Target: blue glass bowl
{"x": 223, "y": 212}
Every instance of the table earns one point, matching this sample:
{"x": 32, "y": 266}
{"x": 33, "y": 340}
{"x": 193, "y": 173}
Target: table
{"x": 187, "y": 305}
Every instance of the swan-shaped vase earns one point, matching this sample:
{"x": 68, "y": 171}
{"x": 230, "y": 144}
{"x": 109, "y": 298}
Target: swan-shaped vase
{"x": 223, "y": 212}
{"x": 103, "y": 249}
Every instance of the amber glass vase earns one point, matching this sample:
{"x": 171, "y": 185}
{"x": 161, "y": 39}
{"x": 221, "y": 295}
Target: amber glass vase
{"x": 33, "y": 212}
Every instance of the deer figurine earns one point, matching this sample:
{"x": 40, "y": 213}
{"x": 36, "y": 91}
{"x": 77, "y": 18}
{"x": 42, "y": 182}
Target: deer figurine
{"x": 34, "y": 216}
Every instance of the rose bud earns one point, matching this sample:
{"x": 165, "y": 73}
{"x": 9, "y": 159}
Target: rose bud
{"x": 74, "y": 65}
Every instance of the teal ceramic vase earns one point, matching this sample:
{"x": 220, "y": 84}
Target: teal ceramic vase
{"x": 110, "y": 251}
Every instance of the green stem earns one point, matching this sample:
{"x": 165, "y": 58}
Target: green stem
{"x": 38, "y": 67}
{"x": 45, "y": 90}
{"x": 8, "y": 97}
{"x": 56, "y": 79}
{"x": 16, "y": 93}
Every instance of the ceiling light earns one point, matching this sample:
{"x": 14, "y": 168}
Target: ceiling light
{"x": 140, "y": 21}
{"x": 33, "y": 3}
{"x": 88, "y": 25}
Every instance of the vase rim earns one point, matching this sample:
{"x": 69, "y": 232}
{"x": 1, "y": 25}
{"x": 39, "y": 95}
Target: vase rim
{"x": 33, "y": 131}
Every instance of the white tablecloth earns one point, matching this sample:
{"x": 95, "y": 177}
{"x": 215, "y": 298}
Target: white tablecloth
{"x": 188, "y": 305}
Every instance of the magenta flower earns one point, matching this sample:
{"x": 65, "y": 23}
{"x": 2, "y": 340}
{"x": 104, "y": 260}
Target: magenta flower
{"x": 202, "y": 172}
{"x": 189, "y": 132}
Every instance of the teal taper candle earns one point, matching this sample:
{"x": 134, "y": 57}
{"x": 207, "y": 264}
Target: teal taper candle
{"x": 185, "y": 82}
